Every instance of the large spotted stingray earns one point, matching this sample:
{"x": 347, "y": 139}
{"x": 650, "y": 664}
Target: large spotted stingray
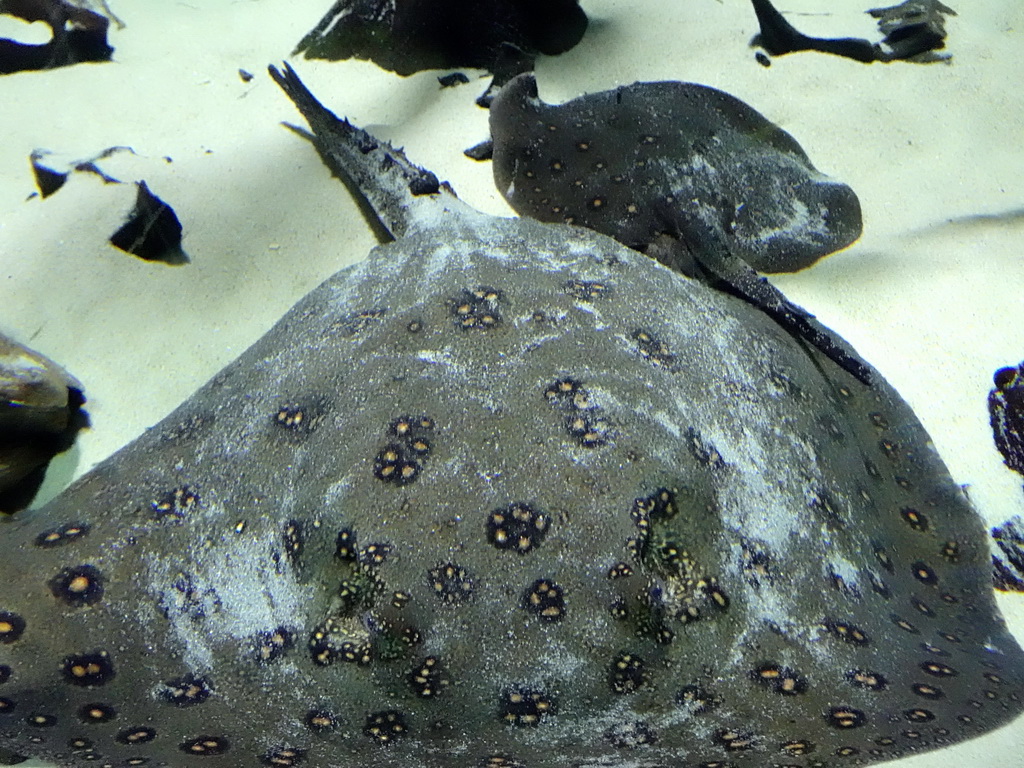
{"x": 506, "y": 494}
{"x": 628, "y": 161}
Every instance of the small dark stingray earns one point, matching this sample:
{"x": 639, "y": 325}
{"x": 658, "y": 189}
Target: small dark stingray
{"x": 914, "y": 30}
{"x": 407, "y": 36}
{"x": 632, "y": 162}
{"x": 1006, "y": 414}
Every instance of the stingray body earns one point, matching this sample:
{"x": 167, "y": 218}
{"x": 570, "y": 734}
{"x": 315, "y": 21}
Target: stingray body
{"x": 506, "y": 494}
{"x": 629, "y": 162}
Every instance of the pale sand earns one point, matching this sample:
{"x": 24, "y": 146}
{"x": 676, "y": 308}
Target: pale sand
{"x": 933, "y": 294}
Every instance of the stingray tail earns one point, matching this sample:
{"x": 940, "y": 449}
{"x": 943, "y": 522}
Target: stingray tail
{"x": 394, "y": 189}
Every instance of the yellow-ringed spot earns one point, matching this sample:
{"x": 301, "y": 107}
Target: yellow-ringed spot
{"x": 283, "y": 757}
{"x": 797, "y": 748}
{"x": 518, "y": 527}
{"x": 293, "y": 540}
{"x": 345, "y": 545}
{"x": 903, "y": 624}
{"x": 78, "y": 586}
{"x": 660, "y": 505}
{"x": 96, "y": 713}
{"x": 618, "y": 609}
{"x": 477, "y": 309}
{"x": 922, "y": 606}
{"x": 652, "y": 349}
{"x": 546, "y": 600}
{"x": 924, "y": 573}
{"x": 845, "y": 718}
{"x": 175, "y": 505}
{"x": 918, "y": 715}
{"x": 524, "y": 706}
{"x": 568, "y": 394}
{"x": 385, "y": 727}
{"x": 778, "y": 679}
{"x": 38, "y": 720}
{"x": 586, "y": 290}
{"x": 427, "y": 679}
{"x": 321, "y": 720}
{"x": 583, "y": 420}
{"x": 926, "y": 691}
{"x": 138, "y": 735}
{"x": 186, "y": 691}
{"x": 867, "y": 679}
{"x": 12, "y": 626}
{"x": 627, "y": 673}
{"x": 890, "y": 449}
{"x": 951, "y": 551}
{"x": 395, "y": 465}
{"x": 271, "y": 645}
{"x": 413, "y": 432}
{"x": 847, "y": 632}
{"x": 88, "y": 669}
{"x": 620, "y": 571}
{"x": 411, "y": 636}
{"x": 918, "y": 521}
{"x": 452, "y": 583}
{"x": 355, "y": 653}
{"x": 205, "y": 746}
{"x": 291, "y": 416}
{"x": 375, "y": 554}
{"x": 300, "y": 418}
{"x": 61, "y": 535}
{"x": 733, "y": 740}
{"x": 587, "y": 429}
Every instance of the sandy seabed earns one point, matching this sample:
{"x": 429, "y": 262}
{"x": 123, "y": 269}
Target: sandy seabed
{"x": 932, "y": 294}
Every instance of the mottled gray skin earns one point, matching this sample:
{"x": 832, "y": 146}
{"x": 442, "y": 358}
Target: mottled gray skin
{"x": 816, "y": 564}
{"x": 628, "y": 161}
